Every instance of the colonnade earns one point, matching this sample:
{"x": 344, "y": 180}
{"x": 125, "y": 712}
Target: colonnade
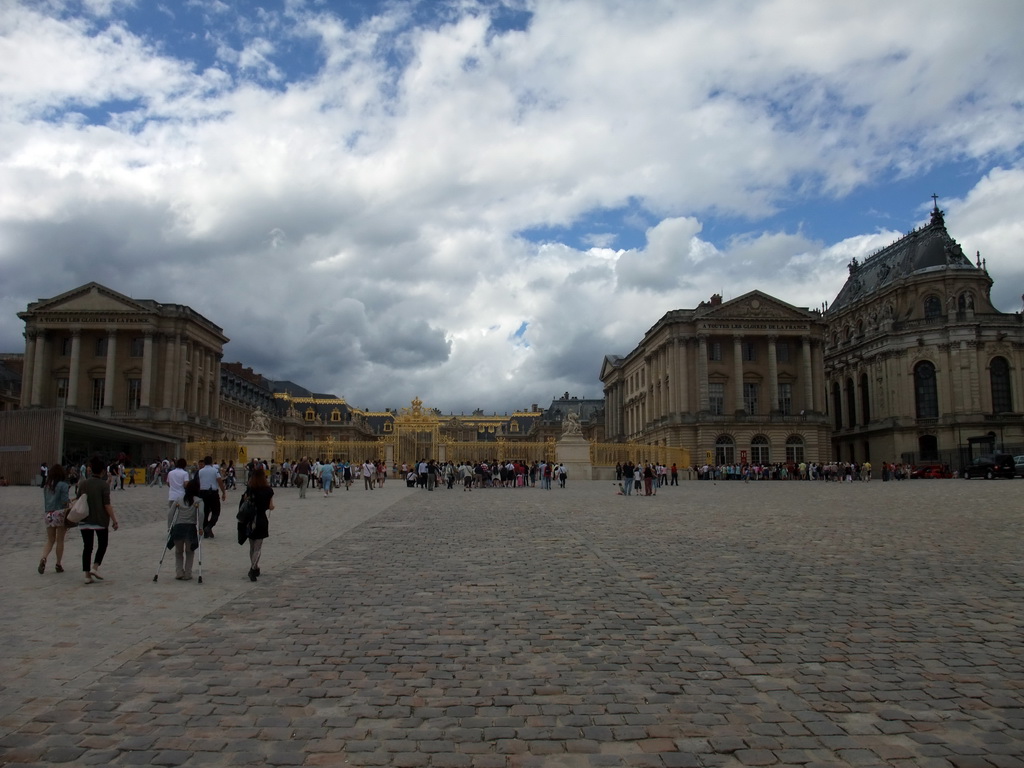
{"x": 190, "y": 383}
{"x": 668, "y": 383}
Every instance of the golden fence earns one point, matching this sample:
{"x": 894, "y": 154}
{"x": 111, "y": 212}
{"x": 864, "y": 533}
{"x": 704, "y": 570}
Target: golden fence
{"x": 331, "y": 450}
{"x": 601, "y": 454}
{"x": 500, "y": 450}
{"x": 220, "y": 450}
{"x": 610, "y": 454}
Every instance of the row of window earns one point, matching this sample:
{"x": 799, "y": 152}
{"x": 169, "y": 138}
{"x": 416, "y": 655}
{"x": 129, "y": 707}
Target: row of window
{"x": 99, "y": 388}
{"x": 926, "y": 393}
{"x": 759, "y": 451}
{"x": 932, "y": 310}
{"x": 136, "y": 347}
{"x": 751, "y": 398}
{"x": 748, "y": 352}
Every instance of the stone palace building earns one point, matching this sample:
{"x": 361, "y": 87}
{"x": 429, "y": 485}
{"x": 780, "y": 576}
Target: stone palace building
{"x": 911, "y": 363}
{"x": 731, "y": 381}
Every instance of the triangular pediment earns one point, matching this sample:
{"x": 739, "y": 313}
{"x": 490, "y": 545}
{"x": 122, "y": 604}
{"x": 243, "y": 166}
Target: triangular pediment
{"x": 754, "y": 305}
{"x": 610, "y": 364}
{"x": 91, "y": 297}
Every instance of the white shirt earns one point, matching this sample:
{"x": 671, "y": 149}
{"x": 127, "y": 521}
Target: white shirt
{"x": 176, "y": 480}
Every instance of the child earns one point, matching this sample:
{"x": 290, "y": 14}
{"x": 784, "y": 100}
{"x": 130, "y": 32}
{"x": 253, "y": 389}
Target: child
{"x": 183, "y": 529}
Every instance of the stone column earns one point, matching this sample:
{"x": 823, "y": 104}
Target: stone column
{"x": 28, "y": 368}
{"x": 817, "y": 386}
{"x": 180, "y": 384}
{"x": 703, "y": 404}
{"x": 215, "y": 413}
{"x": 207, "y": 390}
{"x": 147, "y": 369}
{"x": 75, "y": 373}
{"x": 809, "y": 378}
{"x": 944, "y": 375}
{"x": 977, "y": 364}
{"x": 671, "y": 382}
{"x": 111, "y": 370}
{"x": 38, "y": 367}
{"x": 773, "y": 375}
{"x": 737, "y": 365}
{"x": 170, "y": 369}
{"x": 683, "y": 376}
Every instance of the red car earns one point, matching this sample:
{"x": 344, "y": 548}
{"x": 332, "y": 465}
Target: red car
{"x": 931, "y": 471}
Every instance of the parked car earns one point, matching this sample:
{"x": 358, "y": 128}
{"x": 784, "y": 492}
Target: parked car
{"x": 1018, "y": 464}
{"x": 931, "y": 471}
{"x": 992, "y": 465}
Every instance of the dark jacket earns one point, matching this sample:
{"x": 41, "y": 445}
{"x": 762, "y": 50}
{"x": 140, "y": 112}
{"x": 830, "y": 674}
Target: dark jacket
{"x": 257, "y": 526}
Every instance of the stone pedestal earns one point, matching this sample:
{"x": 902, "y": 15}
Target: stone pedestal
{"x": 573, "y": 451}
{"x": 257, "y": 445}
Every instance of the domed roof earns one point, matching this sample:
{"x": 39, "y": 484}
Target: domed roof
{"x": 927, "y": 248}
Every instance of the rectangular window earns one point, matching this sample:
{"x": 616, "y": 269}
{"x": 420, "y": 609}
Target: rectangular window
{"x": 134, "y": 394}
{"x": 62, "y": 392}
{"x": 782, "y": 351}
{"x": 98, "y": 388}
{"x": 101, "y": 346}
{"x": 750, "y": 392}
{"x": 786, "y": 398}
{"x": 749, "y": 351}
{"x": 716, "y": 398}
{"x": 137, "y": 347}
{"x": 715, "y": 351}
{"x": 65, "y": 346}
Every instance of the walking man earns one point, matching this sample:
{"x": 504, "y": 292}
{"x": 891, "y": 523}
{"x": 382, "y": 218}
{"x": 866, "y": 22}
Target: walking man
{"x": 212, "y": 492}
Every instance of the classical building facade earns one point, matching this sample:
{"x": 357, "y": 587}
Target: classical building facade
{"x": 133, "y": 361}
{"x": 920, "y": 366}
{"x": 731, "y": 381}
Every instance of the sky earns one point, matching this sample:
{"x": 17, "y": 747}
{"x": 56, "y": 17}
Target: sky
{"x": 473, "y": 202}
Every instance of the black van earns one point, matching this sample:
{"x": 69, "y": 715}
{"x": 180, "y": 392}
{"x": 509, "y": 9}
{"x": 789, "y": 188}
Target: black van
{"x": 992, "y": 465}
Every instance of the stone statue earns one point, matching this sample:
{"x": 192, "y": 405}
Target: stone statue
{"x": 260, "y": 423}
{"x": 572, "y": 424}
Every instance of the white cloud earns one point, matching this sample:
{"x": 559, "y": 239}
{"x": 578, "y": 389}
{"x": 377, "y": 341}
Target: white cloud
{"x": 356, "y": 229}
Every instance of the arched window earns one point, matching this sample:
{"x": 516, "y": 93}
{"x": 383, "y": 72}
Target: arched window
{"x": 926, "y": 391}
{"x": 860, "y": 328}
{"x": 932, "y": 307}
{"x": 851, "y": 403}
{"x": 865, "y": 400}
{"x": 794, "y": 449}
{"x": 837, "y": 405}
{"x": 759, "y": 449}
{"x": 1002, "y": 395}
{"x": 725, "y": 450}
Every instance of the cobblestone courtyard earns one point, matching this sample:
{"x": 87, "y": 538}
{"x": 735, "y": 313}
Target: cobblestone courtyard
{"x": 715, "y": 624}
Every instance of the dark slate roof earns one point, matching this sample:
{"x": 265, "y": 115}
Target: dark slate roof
{"x": 588, "y": 410}
{"x": 924, "y": 249}
{"x": 297, "y": 390}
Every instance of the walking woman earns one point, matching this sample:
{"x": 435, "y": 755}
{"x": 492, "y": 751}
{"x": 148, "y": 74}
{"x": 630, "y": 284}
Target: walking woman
{"x": 55, "y": 501}
{"x": 183, "y": 522}
{"x": 261, "y": 495}
{"x": 101, "y": 517}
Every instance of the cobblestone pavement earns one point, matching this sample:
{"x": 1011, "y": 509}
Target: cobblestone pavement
{"x": 715, "y": 624}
